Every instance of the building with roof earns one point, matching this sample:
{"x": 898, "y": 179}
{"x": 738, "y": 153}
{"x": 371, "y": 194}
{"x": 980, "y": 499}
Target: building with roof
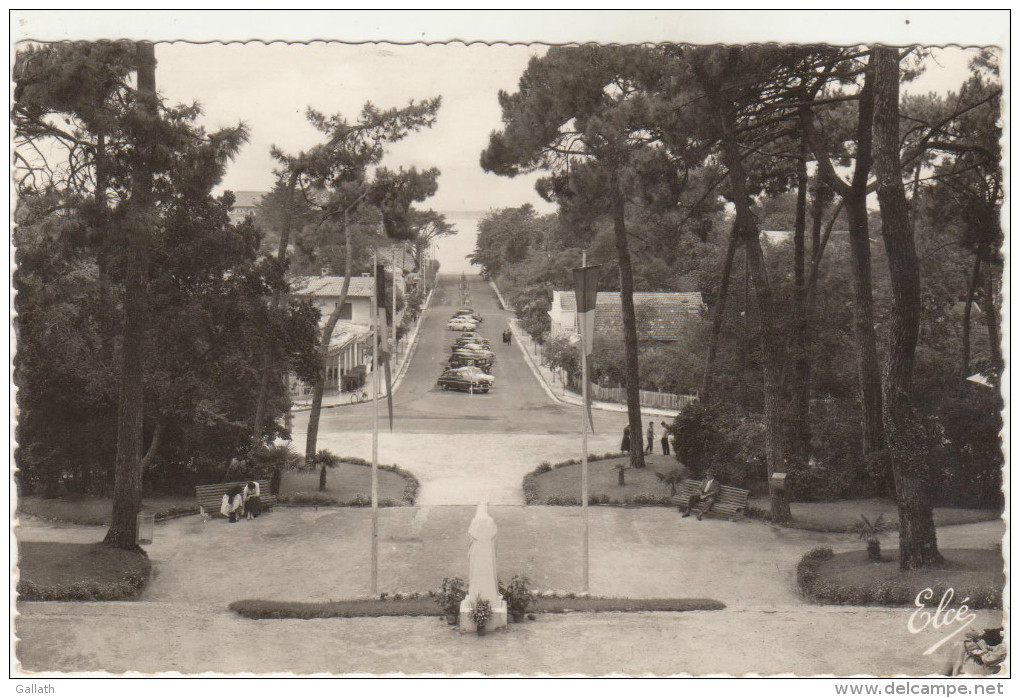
{"x": 350, "y": 347}
{"x": 661, "y": 316}
{"x": 245, "y": 203}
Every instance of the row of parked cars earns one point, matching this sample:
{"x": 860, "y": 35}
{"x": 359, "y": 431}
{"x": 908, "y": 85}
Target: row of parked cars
{"x": 470, "y": 365}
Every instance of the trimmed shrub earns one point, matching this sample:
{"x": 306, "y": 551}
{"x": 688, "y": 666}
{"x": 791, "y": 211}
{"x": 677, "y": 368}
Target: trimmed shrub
{"x": 852, "y": 579}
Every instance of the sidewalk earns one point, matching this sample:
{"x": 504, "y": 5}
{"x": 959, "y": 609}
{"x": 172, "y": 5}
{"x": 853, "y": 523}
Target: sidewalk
{"x": 340, "y": 398}
{"x": 554, "y": 385}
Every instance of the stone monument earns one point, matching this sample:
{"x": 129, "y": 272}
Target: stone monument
{"x": 482, "y": 573}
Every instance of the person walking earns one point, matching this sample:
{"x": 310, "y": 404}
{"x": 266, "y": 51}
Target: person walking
{"x": 651, "y": 438}
{"x": 625, "y": 444}
{"x": 665, "y": 439}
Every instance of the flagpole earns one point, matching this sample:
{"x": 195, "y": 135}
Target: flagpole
{"x": 375, "y": 425}
{"x": 393, "y": 344}
{"x": 584, "y": 437}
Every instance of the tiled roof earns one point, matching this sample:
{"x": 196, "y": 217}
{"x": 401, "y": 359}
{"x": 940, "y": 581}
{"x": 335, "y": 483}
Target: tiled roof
{"x": 346, "y": 332}
{"x": 331, "y": 286}
{"x": 247, "y": 199}
{"x": 661, "y": 316}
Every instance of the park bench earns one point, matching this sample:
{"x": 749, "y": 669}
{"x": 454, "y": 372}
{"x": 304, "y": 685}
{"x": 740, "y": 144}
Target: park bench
{"x": 210, "y": 496}
{"x": 730, "y": 501}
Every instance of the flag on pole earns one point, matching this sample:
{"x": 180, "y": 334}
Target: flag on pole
{"x": 585, "y": 293}
{"x": 383, "y": 323}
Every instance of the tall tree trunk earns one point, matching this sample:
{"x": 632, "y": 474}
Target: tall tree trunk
{"x": 918, "y": 542}
{"x": 801, "y": 393}
{"x": 820, "y": 199}
{"x": 637, "y": 455}
{"x": 127, "y": 491}
{"x": 969, "y": 301}
{"x": 991, "y": 310}
{"x": 327, "y": 334}
{"x": 268, "y": 370}
{"x": 154, "y": 444}
{"x": 772, "y": 348}
{"x": 705, "y": 392}
{"x": 855, "y": 197}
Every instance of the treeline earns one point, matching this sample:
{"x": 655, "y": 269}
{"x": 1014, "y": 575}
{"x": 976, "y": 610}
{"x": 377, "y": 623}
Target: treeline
{"x": 153, "y": 336}
{"x": 837, "y": 354}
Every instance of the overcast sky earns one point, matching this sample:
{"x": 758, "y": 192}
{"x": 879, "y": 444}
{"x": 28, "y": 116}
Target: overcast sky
{"x": 269, "y": 88}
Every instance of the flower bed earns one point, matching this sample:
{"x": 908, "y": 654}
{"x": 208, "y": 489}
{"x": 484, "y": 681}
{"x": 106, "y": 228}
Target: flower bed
{"x": 417, "y": 604}
{"x": 80, "y": 572}
{"x": 851, "y": 578}
{"x": 348, "y": 484}
{"x": 559, "y": 484}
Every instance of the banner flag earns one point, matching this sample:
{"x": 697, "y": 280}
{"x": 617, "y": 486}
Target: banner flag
{"x": 585, "y": 295}
{"x": 382, "y": 330}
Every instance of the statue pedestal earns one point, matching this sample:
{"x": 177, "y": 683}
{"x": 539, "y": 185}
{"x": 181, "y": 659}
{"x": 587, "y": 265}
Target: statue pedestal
{"x": 498, "y": 620}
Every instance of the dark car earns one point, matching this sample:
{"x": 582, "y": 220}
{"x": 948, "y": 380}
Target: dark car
{"x": 468, "y": 379}
{"x": 471, "y": 343}
{"x": 460, "y": 360}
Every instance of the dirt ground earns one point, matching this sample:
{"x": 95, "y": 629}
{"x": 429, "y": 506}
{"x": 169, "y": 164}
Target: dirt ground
{"x": 182, "y": 622}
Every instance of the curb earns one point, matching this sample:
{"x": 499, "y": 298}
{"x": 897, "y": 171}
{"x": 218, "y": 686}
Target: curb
{"x": 499, "y": 295}
{"x": 517, "y": 332}
{"x": 570, "y": 398}
{"x": 412, "y": 345}
{"x": 401, "y": 369}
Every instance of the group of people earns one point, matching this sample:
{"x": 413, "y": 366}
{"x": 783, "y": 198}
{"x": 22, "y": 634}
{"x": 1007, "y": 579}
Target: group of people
{"x": 508, "y": 336}
{"x": 650, "y": 434}
{"x": 707, "y": 493}
{"x": 242, "y": 501}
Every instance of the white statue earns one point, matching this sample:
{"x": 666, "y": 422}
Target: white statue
{"x": 482, "y": 572}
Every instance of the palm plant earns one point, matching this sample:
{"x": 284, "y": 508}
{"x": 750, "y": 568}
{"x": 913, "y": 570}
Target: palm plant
{"x": 673, "y": 479}
{"x": 870, "y": 531}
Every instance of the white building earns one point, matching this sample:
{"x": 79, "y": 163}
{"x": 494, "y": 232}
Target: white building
{"x": 245, "y": 203}
{"x": 350, "y": 347}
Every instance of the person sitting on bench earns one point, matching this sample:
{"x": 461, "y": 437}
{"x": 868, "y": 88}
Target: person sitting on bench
{"x": 706, "y": 495}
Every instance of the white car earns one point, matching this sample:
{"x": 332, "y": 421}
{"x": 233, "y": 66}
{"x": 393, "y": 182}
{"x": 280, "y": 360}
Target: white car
{"x": 461, "y": 325}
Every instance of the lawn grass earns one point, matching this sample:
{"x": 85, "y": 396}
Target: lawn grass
{"x": 837, "y": 517}
{"x": 347, "y": 483}
{"x": 80, "y": 572}
{"x": 562, "y": 484}
{"x": 852, "y": 578}
{"x": 426, "y": 606}
{"x": 95, "y": 510}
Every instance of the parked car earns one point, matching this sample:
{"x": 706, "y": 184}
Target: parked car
{"x": 470, "y": 342}
{"x": 461, "y": 360}
{"x": 469, "y": 314}
{"x": 476, "y": 350}
{"x": 468, "y": 378}
{"x": 461, "y": 324}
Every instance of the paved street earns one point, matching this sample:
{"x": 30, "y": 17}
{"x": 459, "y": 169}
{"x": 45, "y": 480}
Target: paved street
{"x": 517, "y": 405}
{"x": 465, "y": 448}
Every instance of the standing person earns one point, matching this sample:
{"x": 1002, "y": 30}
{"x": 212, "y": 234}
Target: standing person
{"x": 233, "y": 503}
{"x": 651, "y": 438}
{"x": 665, "y": 439}
{"x": 625, "y": 444}
{"x": 252, "y": 500}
